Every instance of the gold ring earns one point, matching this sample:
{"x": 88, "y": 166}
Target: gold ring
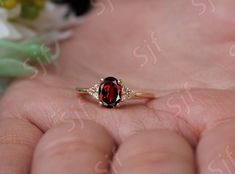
{"x": 111, "y": 92}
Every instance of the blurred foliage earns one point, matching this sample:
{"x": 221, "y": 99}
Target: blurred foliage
{"x": 30, "y": 9}
{"x": 17, "y": 58}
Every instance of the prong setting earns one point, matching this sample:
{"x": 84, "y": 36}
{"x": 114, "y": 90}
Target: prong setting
{"x": 110, "y": 92}
{"x": 118, "y": 105}
{"x": 120, "y": 82}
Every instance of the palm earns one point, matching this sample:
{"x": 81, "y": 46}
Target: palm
{"x": 172, "y": 52}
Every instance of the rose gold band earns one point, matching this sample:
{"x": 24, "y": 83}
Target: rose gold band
{"x": 135, "y": 94}
{"x": 143, "y": 94}
{"x": 82, "y": 90}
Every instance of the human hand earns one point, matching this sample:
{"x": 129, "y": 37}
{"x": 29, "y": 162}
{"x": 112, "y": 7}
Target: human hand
{"x": 188, "y": 129}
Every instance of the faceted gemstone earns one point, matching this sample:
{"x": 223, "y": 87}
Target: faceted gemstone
{"x": 110, "y": 92}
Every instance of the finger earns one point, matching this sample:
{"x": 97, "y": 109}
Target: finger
{"x": 17, "y": 141}
{"x": 216, "y": 150}
{"x": 76, "y": 147}
{"x": 152, "y": 152}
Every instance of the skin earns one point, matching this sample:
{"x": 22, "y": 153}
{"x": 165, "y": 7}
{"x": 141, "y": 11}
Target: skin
{"x": 46, "y": 128}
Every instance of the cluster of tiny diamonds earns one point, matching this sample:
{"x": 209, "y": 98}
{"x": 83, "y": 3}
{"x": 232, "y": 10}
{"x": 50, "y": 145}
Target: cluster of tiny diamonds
{"x": 127, "y": 93}
{"x": 94, "y": 91}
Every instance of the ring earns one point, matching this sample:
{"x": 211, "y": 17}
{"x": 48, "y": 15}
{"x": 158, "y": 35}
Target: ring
{"x": 111, "y": 92}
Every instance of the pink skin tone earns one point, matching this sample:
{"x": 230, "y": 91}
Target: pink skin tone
{"x": 184, "y": 52}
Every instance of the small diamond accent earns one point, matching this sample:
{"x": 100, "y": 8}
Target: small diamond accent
{"x": 94, "y": 91}
{"x": 127, "y": 93}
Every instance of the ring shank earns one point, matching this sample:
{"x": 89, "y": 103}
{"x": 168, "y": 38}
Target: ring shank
{"x": 82, "y": 90}
{"x": 135, "y": 94}
{"x": 143, "y": 94}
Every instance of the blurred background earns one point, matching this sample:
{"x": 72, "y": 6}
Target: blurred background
{"x": 79, "y": 7}
{"x": 13, "y": 29}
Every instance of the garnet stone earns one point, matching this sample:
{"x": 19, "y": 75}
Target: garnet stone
{"x": 110, "y": 92}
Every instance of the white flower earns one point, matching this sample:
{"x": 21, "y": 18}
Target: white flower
{"x": 51, "y": 21}
{"x": 7, "y": 30}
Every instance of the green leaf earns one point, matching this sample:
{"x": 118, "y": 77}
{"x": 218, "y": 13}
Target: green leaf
{"x": 15, "y": 68}
{"x": 29, "y": 12}
{"x": 12, "y": 49}
{"x": 27, "y": 51}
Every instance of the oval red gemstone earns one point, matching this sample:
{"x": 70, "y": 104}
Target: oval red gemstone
{"x": 110, "y": 92}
